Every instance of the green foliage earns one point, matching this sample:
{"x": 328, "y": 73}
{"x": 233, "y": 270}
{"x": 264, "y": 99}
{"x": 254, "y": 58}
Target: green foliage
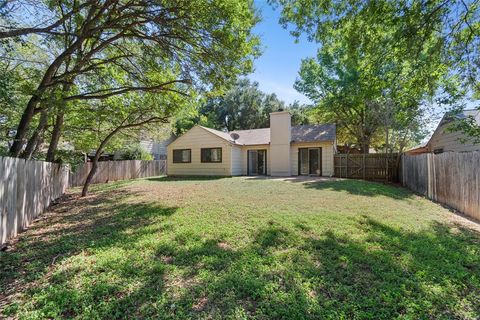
{"x": 16, "y": 83}
{"x": 135, "y": 152}
{"x": 176, "y": 48}
{"x": 316, "y": 250}
{"x": 243, "y": 107}
{"x": 468, "y": 125}
{"x": 74, "y": 159}
{"x": 376, "y": 53}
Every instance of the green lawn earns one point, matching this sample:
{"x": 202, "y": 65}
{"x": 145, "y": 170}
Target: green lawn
{"x": 244, "y": 248}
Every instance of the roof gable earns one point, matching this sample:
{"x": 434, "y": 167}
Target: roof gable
{"x": 448, "y": 118}
{"x": 208, "y": 131}
{"x": 304, "y": 133}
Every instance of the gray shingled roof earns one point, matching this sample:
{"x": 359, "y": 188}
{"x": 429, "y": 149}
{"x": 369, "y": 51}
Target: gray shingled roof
{"x": 314, "y": 132}
{"x": 305, "y": 133}
{"x": 253, "y": 136}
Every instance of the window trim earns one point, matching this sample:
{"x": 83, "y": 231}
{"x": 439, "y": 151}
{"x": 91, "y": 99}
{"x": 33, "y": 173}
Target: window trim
{"x": 201, "y": 155}
{"x": 173, "y": 156}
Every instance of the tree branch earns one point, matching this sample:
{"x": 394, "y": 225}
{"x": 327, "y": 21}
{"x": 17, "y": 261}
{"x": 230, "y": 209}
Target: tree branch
{"x": 117, "y": 91}
{"x": 48, "y": 29}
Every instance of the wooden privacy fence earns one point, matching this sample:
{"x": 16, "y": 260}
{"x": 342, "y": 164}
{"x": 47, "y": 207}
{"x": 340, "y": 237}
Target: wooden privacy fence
{"x": 450, "y": 178}
{"x": 27, "y": 188}
{"x": 371, "y": 166}
{"x": 118, "y": 170}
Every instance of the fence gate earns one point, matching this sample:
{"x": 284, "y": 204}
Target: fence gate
{"x": 371, "y": 166}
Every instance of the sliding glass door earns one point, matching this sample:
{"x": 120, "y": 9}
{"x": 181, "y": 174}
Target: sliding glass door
{"x": 310, "y": 161}
{"x": 314, "y": 161}
{"x": 303, "y": 161}
{"x": 257, "y": 162}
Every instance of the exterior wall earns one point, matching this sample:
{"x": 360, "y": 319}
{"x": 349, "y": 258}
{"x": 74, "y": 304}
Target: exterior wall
{"x": 327, "y": 156}
{"x": 234, "y": 158}
{"x": 237, "y": 169}
{"x": 195, "y": 139}
{"x": 244, "y": 155}
{"x": 280, "y": 137}
{"x": 450, "y": 141}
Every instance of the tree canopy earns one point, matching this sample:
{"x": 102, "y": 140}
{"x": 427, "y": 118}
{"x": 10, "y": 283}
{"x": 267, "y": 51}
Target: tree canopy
{"x": 89, "y": 72}
{"x": 374, "y": 54}
{"x": 243, "y": 107}
{"x": 99, "y": 49}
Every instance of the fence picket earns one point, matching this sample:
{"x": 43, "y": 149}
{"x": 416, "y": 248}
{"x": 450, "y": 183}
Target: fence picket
{"x": 453, "y": 179}
{"x": 373, "y": 166}
{"x": 28, "y": 187}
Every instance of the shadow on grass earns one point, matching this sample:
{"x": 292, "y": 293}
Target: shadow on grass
{"x": 283, "y": 272}
{"x": 187, "y": 178}
{"x": 77, "y": 226}
{"x": 362, "y": 188}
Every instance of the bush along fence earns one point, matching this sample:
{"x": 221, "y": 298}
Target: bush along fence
{"x": 28, "y": 187}
{"x": 449, "y": 178}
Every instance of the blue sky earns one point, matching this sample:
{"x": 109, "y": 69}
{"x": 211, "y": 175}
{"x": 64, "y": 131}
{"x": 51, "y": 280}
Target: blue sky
{"x": 277, "y": 68}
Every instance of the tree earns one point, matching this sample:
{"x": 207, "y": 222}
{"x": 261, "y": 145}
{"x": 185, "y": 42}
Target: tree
{"x": 243, "y": 107}
{"x": 135, "y": 152}
{"x": 105, "y": 124}
{"x": 206, "y": 43}
{"x": 365, "y": 62}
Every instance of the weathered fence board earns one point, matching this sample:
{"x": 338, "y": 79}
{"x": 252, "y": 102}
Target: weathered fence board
{"x": 118, "y": 170}
{"x": 372, "y": 166}
{"x": 450, "y": 178}
{"x": 27, "y": 188}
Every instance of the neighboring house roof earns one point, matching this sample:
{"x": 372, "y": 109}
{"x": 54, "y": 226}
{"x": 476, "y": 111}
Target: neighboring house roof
{"x": 421, "y": 148}
{"x": 440, "y": 129}
{"x": 304, "y": 133}
{"x": 449, "y": 117}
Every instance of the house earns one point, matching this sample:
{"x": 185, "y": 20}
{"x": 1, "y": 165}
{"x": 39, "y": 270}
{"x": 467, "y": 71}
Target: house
{"x": 281, "y": 150}
{"x": 444, "y": 140}
{"x": 157, "y": 148}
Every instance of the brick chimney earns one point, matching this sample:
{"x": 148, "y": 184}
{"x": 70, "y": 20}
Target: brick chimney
{"x": 280, "y": 137}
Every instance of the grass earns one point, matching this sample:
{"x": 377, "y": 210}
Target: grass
{"x": 243, "y": 248}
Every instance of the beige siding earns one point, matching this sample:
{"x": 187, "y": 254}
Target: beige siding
{"x": 280, "y": 138}
{"x": 327, "y": 156}
{"x": 236, "y": 161}
{"x": 195, "y": 139}
{"x": 450, "y": 141}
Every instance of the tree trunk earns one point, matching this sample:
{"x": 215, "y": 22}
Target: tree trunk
{"x": 29, "y": 111}
{"x": 57, "y": 132}
{"x": 35, "y": 138}
{"x": 92, "y": 172}
{"x": 365, "y": 147}
{"x": 104, "y": 143}
{"x": 22, "y": 127}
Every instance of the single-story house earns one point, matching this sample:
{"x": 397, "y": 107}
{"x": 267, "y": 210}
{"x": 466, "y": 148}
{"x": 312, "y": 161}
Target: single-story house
{"x": 281, "y": 150}
{"x": 445, "y": 140}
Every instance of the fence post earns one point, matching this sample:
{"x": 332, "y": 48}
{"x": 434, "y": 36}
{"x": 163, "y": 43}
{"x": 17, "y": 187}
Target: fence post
{"x": 346, "y": 167}
{"x": 364, "y": 166}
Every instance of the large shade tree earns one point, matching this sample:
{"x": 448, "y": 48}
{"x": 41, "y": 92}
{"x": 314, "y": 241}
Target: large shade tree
{"x": 242, "y": 107}
{"x": 375, "y": 54}
{"x": 200, "y": 43}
